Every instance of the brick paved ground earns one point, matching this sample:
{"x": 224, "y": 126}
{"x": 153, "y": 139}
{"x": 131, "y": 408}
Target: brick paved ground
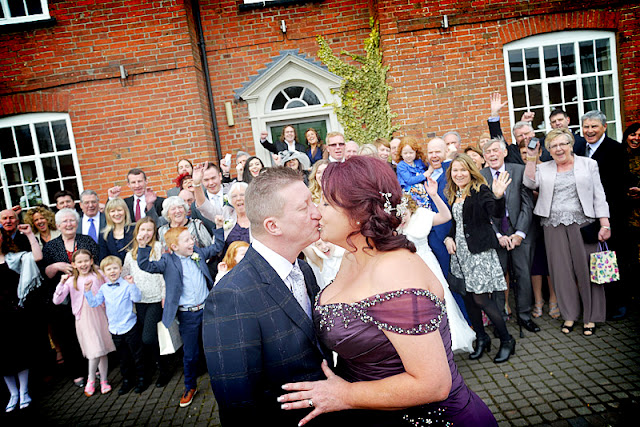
{"x": 553, "y": 379}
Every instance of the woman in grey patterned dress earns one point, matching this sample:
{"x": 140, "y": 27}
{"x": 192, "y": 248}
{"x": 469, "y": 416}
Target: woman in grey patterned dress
{"x": 472, "y": 243}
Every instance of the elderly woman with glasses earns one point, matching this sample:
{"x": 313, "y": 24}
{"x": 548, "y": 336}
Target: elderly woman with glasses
{"x": 575, "y": 216}
{"x": 174, "y": 210}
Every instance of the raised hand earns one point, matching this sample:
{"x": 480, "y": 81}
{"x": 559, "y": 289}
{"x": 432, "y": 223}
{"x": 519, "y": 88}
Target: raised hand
{"x": 129, "y": 278}
{"x": 432, "y": 186}
{"x": 198, "y": 172}
{"x": 528, "y": 116}
{"x": 496, "y": 103}
{"x": 25, "y": 229}
{"x": 500, "y": 184}
{"x": 219, "y": 220}
{"x": 114, "y": 192}
{"x": 263, "y": 135}
{"x": 150, "y": 197}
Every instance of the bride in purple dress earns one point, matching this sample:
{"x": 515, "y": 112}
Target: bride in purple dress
{"x": 384, "y": 315}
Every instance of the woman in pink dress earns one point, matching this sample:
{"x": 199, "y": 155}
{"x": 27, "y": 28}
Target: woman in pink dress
{"x": 92, "y": 326}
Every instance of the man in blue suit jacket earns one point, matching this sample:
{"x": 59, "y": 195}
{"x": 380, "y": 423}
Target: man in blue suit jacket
{"x": 187, "y": 281}
{"x": 257, "y": 334}
{"x": 438, "y": 165}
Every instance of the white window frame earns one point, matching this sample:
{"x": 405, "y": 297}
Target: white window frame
{"x": 4, "y": 4}
{"x": 558, "y": 38}
{"x": 305, "y": 87}
{"x": 31, "y": 120}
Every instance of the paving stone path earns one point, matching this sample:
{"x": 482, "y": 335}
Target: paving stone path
{"x": 553, "y": 379}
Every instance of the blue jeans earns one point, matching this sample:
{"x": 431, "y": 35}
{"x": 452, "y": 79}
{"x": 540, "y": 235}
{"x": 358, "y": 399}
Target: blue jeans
{"x": 190, "y": 328}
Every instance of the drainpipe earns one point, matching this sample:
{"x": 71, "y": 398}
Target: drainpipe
{"x": 205, "y": 67}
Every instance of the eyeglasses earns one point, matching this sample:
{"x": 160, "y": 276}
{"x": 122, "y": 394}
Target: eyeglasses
{"x": 337, "y": 144}
{"x": 559, "y": 145}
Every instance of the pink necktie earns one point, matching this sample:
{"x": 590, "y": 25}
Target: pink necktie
{"x": 137, "y": 210}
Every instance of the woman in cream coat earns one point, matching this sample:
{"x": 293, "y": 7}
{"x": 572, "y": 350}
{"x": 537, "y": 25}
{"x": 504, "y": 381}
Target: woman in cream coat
{"x": 572, "y": 204}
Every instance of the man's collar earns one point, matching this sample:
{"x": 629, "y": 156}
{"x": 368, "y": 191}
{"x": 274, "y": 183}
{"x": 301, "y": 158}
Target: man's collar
{"x": 279, "y": 263}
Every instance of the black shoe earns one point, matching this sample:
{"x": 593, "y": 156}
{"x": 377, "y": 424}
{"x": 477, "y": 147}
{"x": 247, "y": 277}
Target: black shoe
{"x": 529, "y": 325}
{"x": 482, "y": 344}
{"x": 163, "y": 379}
{"x": 507, "y": 348}
{"x": 141, "y": 386}
{"x": 125, "y": 387}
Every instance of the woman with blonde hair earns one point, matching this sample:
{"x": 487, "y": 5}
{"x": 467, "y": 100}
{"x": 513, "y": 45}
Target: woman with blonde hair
{"x": 118, "y": 232}
{"x": 315, "y": 178}
{"x": 472, "y": 244}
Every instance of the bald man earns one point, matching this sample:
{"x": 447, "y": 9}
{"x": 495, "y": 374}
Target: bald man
{"x": 9, "y": 221}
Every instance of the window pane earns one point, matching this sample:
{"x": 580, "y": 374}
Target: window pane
{"x": 551, "y": 61}
{"x": 555, "y": 93}
{"x": 519, "y": 97}
{"x": 44, "y": 138}
{"x": 586, "y": 57}
{"x": 66, "y": 166}
{"x": 310, "y": 97}
{"x": 568, "y": 59}
{"x": 296, "y": 104}
{"x": 611, "y": 131}
{"x": 606, "y": 106}
{"x": 29, "y": 173}
{"x": 590, "y": 106}
{"x": 71, "y": 185}
{"x": 12, "y": 171}
{"x": 16, "y": 194}
{"x": 589, "y": 90}
{"x": 535, "y": 95}
{"x": 532, "y": 59}
{"x": 606, "y": 85}
{"x": 7, "y": 147}
{"x": 570, "y": 91}
{"x": 279, "y": 102}
{"x": 17, "y": 8}
{"x": 52, "y": 188}
{"x": 516, "y": 66}
{"x": 572, "y": 112}
{"x": 32, "y": 196}
{"x": 293, "y": 91}
{"x": 538, "y": 120}
{"x": 603, "y": 53}
{"x": 23, "y": 138}
{"x": 34, "y": 7}
{"x": 60, "y": 135}
{"x": 50, "y": 168}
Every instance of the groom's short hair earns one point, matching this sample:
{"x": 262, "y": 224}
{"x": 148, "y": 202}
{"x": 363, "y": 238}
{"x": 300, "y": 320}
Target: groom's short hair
{"x": 264, "y": 198}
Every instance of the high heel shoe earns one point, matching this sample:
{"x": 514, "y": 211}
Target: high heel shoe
{"x": 25, "y": 400}
{"x": 482, "y": 344}
{"x": 13, "y": 403}
{"x": 507, "y": 348}
{"x": 537, "y": 309}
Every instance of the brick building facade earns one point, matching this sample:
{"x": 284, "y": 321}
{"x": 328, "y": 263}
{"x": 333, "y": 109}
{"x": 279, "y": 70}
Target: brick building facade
{"x": 126, "y": 78}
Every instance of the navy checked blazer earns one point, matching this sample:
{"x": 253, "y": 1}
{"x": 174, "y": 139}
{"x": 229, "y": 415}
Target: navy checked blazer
{"x": 257, "y": 338}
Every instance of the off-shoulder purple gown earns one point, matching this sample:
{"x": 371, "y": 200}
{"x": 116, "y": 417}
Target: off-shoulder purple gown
{"x": 355, "y": 332}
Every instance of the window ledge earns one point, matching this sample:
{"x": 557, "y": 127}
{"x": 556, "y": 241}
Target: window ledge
{"x": 243, "y": 7}
{"x": 27, "y": 26}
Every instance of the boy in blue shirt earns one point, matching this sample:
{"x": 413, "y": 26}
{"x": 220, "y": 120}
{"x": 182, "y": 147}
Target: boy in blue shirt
{"x": 119, "y": 295}
{"x": 188, "y": 282}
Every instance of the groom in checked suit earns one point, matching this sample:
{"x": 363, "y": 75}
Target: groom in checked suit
{"x": 516, "y": 245}
{"x": 257, "y": 329}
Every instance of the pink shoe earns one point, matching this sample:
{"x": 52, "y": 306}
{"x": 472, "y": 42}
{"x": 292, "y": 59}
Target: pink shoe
{"x": 90, "y": 388}
{"x": 105, "y": 387}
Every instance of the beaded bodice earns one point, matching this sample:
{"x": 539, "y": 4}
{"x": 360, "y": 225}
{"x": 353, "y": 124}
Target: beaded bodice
{"x": 356, "y": 331}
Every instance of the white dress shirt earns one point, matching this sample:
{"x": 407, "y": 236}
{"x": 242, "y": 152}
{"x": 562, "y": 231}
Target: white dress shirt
{"x": 86, "y": 224}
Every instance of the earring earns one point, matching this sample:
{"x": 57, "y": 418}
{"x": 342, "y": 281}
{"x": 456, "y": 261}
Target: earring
{"x": 357, "y": 222}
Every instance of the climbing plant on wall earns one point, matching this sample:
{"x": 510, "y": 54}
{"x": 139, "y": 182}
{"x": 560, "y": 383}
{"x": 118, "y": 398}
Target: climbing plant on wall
{"x": 364, "y": 110}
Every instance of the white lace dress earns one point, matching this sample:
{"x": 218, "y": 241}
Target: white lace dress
{"x": 417, "y": 231}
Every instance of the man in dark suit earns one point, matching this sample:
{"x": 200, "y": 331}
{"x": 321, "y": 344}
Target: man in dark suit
{"x": 144, "y": 201}
{"x": 610, "y": 155}
{"x": 288, "y": 141}
{"x": 512, "y": 230}
{"x": 559, "y": 119}
{"x": 257, "y": 331}
{"x": 9, "y": 222}
{"x": 92, "y": 221}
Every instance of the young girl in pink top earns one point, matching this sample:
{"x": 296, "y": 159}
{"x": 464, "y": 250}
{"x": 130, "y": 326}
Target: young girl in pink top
{"x": 92, "y": 326}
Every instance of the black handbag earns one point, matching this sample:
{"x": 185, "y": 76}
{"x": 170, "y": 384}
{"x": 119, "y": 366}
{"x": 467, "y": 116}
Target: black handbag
{"x": 456, "y": 284}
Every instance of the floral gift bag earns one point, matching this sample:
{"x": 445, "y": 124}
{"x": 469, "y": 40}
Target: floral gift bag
{"x": 604, "y": 265}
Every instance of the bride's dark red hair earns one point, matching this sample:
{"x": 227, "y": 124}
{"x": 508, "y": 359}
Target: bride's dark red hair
{"x": 356, "y": 186}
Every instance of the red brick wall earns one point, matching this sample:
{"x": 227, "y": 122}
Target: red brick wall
{"x": 158, "y": 115}
{"x": 240, "y": 44}
{"x": 442, "y": 78}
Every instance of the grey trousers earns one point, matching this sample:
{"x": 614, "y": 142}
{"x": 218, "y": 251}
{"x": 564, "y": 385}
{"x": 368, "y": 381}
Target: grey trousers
{"x": 568, "y": 259}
